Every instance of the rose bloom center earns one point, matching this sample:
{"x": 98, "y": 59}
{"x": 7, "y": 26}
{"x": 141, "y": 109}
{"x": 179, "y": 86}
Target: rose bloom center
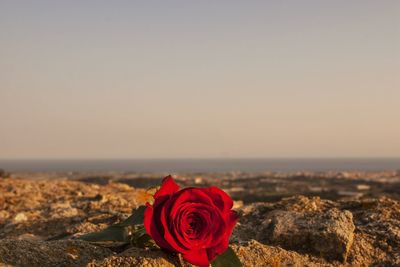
{"x": 193, "y": 225}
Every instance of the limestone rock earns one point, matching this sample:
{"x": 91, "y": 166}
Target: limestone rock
{"x": 53, "y": 253}
{"x": 255, "y": 254}
{"x": 329, "y": 234}
{"x": 300, "y": 224}
{"x": 138, "y": 257}
{"x": 297, "y": 231}
{"x": 377, "y": 238}
{"x": 20, "y": 217}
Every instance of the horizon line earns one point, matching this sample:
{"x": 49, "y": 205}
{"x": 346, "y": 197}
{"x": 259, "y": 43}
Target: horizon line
{"x": 204, "y": 158}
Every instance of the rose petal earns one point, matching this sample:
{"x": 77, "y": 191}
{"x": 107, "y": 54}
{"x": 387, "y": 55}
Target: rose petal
{"x": 200, "y": 197}
{"x": 151, "y": 229}
{"x": 197, "y": 257}
{"x": 213, "y": 252}
{"x": 223, "y": 245}
{"x": 206, "y": 216}
{"x": 190, "y": 194}
{"x": 177, "y": 246}
{"x": 221, "y": 199}
{"x": 168, "y": 188}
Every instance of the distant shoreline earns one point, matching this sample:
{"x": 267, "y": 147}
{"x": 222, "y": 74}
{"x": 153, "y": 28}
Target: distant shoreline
{"x": 203, "y": 165}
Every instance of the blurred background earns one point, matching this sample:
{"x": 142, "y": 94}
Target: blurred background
{"x": 201, "y": 87}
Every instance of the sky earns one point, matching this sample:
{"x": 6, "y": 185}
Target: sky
{"x": 199, "y": 79}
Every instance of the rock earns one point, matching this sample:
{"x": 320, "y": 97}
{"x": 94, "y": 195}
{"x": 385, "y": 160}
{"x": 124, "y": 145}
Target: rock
{"x": 81, "y": 253}
{"x": 313, "y": 226}
{"x": 296, "y": 231}
{"x": 238, "y": 204}
{"x": 198, "y": 180}
{"x": 20, "y": 217}
{"x": 251, "y": 254}
{"x": 4, "y": 215}
{"x": 63, "y": 210}
{"x": 255, "y": 254}
{"x": 54, "y": 253}
{"x": 54, "y": 208}
{"x": 138, "y": 257}
{"x": 377, "y": 238}
{"x": 28, "y": 236}
{"x": 299, "y": 224}
{"x": 329, "y": 234}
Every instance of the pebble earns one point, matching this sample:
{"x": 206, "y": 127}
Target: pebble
{"x": 20, "y": 217}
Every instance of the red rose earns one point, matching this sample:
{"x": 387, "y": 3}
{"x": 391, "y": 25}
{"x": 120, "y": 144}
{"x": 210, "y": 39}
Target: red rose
{"x": 196, "y": 222}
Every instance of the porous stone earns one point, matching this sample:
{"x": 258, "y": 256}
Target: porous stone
{"x": 297, "y": 231}
{"x": 53, "y": 253}
{"x": 138, "y": 257}
{"x": 329, "y": 234}
{"x": 299, "y": 224}
{"x": 20, "y": 217}
{"x": 255, "y": 254}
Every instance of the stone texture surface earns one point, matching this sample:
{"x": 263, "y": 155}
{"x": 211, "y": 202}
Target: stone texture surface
{"x": 377, "y": 234}
{"x": 360, "y": 233}
{"x": 39, "y": 218}
{"x": 253, "y": 253}
{"x": 58, "y": 208}
{"x": 52, "y": 253}
{"x": 328, "y": 234}
{"x": 138, "y": 257}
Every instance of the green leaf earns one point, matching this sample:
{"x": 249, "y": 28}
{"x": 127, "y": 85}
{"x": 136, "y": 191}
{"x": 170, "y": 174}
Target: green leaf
{"x": 227, "y": 259}
{"x": 136, "y": 218}
{"x": 112, "y": 233}
{"x": 118, "y": 232}
{"x": 140, "y": 238}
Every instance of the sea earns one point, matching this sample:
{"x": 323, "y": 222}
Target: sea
{"x": 203, "y": 165}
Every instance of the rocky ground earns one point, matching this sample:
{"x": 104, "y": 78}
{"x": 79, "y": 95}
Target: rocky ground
{"x": 255, "y": 187}
{"x": 41, "y": 218}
